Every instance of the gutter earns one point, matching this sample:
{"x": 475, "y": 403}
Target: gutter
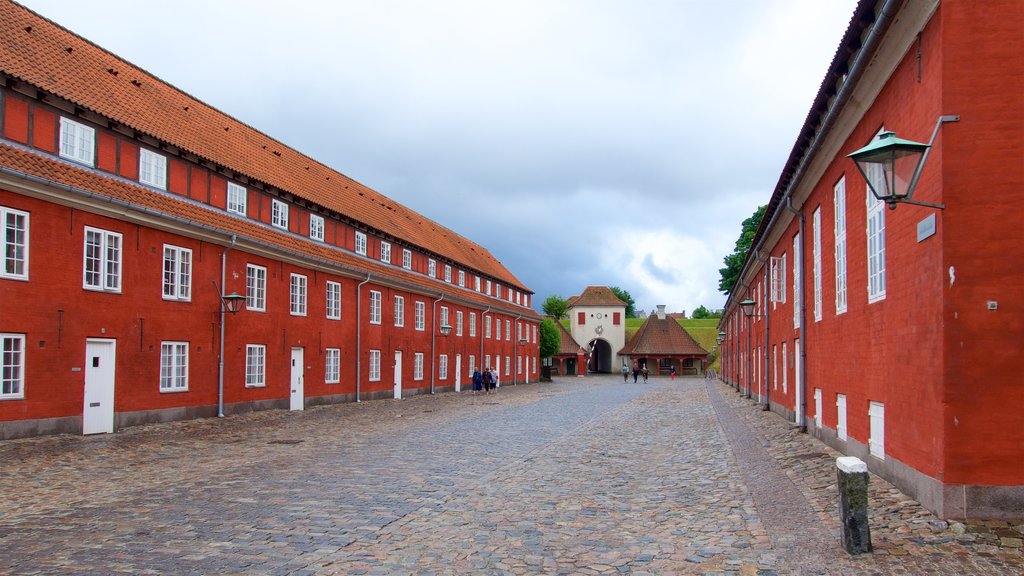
{"x": 359, "y": 326}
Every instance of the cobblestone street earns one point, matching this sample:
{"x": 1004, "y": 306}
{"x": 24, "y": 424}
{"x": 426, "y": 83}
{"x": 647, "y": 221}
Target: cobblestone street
{"x": 580, "y": 476}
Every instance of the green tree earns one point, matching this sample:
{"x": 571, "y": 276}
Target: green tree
{"x": 550, "y": 341}
{"x": 701, "y": 312}
{"x": 628, "y": 299}
{"x": 734, "y": 262}
{"x": 555, "y": 306}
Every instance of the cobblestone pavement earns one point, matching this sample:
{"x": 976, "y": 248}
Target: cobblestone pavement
{"x": 579, "y": 476}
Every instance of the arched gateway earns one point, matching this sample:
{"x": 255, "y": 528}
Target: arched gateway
{"x": 601, "y": 356}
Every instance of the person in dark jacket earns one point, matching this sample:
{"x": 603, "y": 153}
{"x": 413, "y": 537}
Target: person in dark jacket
{"x": 478, "y": 380}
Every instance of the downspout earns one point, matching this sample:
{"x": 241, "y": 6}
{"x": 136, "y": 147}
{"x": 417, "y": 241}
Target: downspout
{"x": 220, "y": 362}
{"x": 801, "y": 382}
{"x": 359, "y": 324}
{"x": 433, "y": 338}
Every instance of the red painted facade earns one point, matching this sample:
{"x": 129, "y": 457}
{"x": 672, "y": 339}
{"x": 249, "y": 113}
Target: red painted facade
{"x": 940, "y": 350}
{"x": 48, "y": 314}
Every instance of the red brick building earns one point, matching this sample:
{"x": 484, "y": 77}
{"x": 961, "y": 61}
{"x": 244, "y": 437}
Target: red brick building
{"x": 895, "y": 335}
{"x": 130, "y": 208}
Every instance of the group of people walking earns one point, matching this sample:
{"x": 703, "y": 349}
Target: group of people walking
{"x": 637, "y": 372}
{"x": 486, "y": 380}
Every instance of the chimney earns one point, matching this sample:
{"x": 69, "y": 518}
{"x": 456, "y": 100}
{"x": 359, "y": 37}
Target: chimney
{"x": 661, "y": 311}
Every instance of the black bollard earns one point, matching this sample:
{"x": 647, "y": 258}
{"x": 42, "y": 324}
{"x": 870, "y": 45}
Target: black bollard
{"x": 853, "y": 504}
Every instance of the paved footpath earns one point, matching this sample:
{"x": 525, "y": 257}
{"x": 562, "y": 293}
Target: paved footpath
{"x": 579, "y": 476}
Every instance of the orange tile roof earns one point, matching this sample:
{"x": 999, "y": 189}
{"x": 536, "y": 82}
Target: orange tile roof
{"x": 662, "y": 336}
{"x": 567, "y": 344}
{"x": 48, "y": 170}
{"x": 596, "y": 296}
{"x": 40, "y": 52}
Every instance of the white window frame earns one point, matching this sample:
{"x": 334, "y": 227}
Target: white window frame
{"x": 487, "y": 326}
{"x": 400, "y": 311}
{"x": 255, "y": 366}
{"x": 488, "y": 287}
{"x": 297, "y": 292}
{"x": 841, "y": 416}
{"x": 798, "y": 254}
{"x": 14, "y": 243}
{"x": 432, "y": 268}
{"x": 238, "y": 199}
{"x": 255, "y": 288}
{"x": 77, "y": 142}
{"x": 316, "y": 227}
{"x": 406, "y": 258}
{"x": 332, "y": 365}
{"x": 420, "y": 313}
{"x": 448, "y": 273}
{"x": 839, "y": 200}
{"x": 278, "y": 214}
{"x": 876, "y": 420}
{"x": 12, "y": 366}
{"x": 462, "y": 278}
{"x": 360, "y": 245}
{"x": 102, "y": 272}
{"x": 177, "y": 273}
{"x": 785, "y": 369}
{"x": 374, "y": 375}
{"x": 417, "y": 366}
{"x": 444, "y": 316}
{"x": 152, "y": 169}
{"x": 816, "y": 234}
{"x": 875, "y": 232}
{"x": 375, "y": 304}
{"x": 508, "y": 329}
{"x": 508, "y": 365}
{"x": 472, "y": 324}
{"x": 458, "y": 322}
{"x": 333, "y": 300}
{"x": 778, "y": 271}
{"x": 173, "y": 366}
{"x": 775, "y": 367}
{"x": 519, "y": 365}
{"x": 534, "y": 333}
{"x": 442, "y": 367}
{"x": 476, "y": 283}
{"x": 817, "y": 408}
{"x": 385, "y": 252}
{"x": 487, "y": 362}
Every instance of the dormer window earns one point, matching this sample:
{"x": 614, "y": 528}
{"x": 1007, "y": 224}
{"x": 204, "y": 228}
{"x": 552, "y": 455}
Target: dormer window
{"x": 407, "y": 259}
{"x": 361, "y": 243}
{"x": 77, "y": 141}
{"x": 152, "y": 169}
{"x": 385, "y": 252}
{"x": 432, "y": 268}
{"x": 279, "y": 214}
{"x": 316, "y": 227}
{"x": 237, "y": 197}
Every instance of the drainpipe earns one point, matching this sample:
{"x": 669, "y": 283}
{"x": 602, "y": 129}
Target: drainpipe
{"x": 433, "y": 338}
{"x": 359, "y": 325}
{"x": 801, "y": 382}
{"x": 220, "y": 362}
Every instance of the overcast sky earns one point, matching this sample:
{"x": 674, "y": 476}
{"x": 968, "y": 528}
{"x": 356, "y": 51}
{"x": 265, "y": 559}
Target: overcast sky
{"x": 582, "y": 142}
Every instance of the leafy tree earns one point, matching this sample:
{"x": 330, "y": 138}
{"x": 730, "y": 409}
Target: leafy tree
{"x": 550, "y": 341}
{"x": 734, "y": 262}
{"x": 628, "y": 299}
{"x": 555, "y": 306}
{"x": 701, "y": 312}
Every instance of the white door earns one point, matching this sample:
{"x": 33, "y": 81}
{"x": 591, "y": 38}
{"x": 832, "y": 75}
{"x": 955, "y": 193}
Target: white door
{"x": 800, "y": 393}
{"x": 841, "y": 416}
{"x": 398, "y": 374}
{"x": 297, "y": 398}
{"x": 876, "y": 419}
{"x": 458, "y": 372}
{"x": 817, "y": 407}
{"x": 98, "y": 411}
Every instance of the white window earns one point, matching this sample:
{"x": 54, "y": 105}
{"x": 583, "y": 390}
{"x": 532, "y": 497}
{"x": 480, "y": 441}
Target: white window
{"x": 519, "y": 331}
{"x": 476, "y": 283}
{"x": 817, "y": 408}
{"x": 447, "y": 273}
{"x": 876, "y": 248}
{"x": 778, "y": 266}
{"x": 432, "y": 268}
{"x": 173, "y": 366}
{"x": 333, "y": 300}
{"x": 417, "y": 366}
{"x": 840, "y": 232}
{"x": 841, "y": 416}
{"x": 472, "y": 324}
{"x": 407, "y": 259}
{"x": 785, "y": 368}
{"x": 374, "y": 365}
{"x": 798, "y": 255}
{"x": 77, "y": 141}
{"x": 458, "y": 322}
{"x": 442, "y": 367}
{"x": 444, "y": 316}
{"x": 385, "y": 252}
{"x": 519, "y": 365}
{"x": 420, "y": 315}
{"x": 508, "y": 365}
{"x": 316, "y": 227}
{"x": 816, "y": 225}
{"x": 534, "y": 333}
{"x": 375, "y": 301}
{"x": 488, "y": 287}
{"x": 297, "y": 295}
{"x": 487, "y": 326}
{"x": 279, "y": 214}
{"x": 462, "y": 278}
{"x": 876, "y": 442}
{"x": 534, "y": 365}
{"x": 472, "y": 363}
{"x": 237, "y": 199}
{"x": 102, "y": 266}
{"x": 152, "y": 169}
{"x": 255, "y": 288}
{"x": 487, "y": 362}
{"x": 508, "y": 329}
{"x": 332, "y": 365}
{"x": 14, "y": 243}
{"x": 12, "y": 366}
{"x": 255, "y": 366}
{"x": 361, "y": 243}
{"x": 177, "y": 283}
{"x": 399, "y": 311}
{"x": 775, "y": 367}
